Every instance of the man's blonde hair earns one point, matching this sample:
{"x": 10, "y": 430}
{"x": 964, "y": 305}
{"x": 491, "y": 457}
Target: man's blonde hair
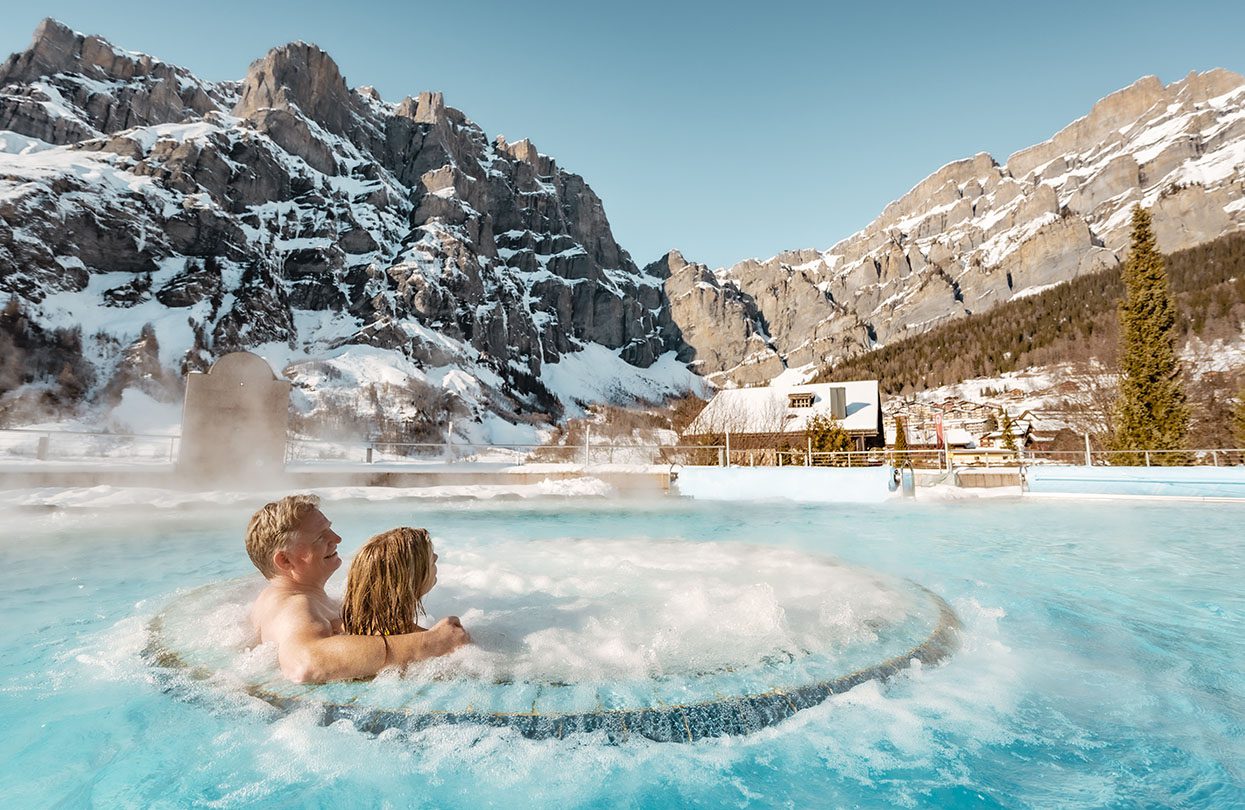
{"x": 385, "y": 583}
{"x": 273, "y": 527}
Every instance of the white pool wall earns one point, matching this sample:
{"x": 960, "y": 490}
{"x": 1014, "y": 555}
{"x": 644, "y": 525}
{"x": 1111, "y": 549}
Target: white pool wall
{"x": 1171, "y": 482}
{"x": 801, "y": 484}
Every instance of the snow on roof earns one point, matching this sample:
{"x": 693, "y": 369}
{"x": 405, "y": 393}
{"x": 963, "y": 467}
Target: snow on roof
{"x": 767, "y": 409}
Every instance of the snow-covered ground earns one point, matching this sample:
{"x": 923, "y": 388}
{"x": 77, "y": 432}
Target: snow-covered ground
{"x": 1018, "y": 391}
{"x": 1217, "y": 356}
{"x": 598, "y": 374}
{"x": 1045, "y": 390}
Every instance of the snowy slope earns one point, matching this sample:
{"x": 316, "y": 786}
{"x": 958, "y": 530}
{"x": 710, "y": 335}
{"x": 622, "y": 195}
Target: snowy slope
{"x": 387, "y": 257}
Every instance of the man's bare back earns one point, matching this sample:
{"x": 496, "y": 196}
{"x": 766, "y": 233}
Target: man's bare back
{"x": 296, "y": 614}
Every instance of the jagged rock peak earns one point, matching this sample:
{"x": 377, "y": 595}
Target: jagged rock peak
{"x": 945, "y": 185}
{"x": 399, "y": 222}
{"x": 98, "y": 88}
{"x": 522, "y": 150}
{"x": 1208, "y": 85}
{"x": 57, "y": 48}
{"x": 525, "y": 151}
{"x": 300, "y": 75}
{"x": 428, "y": 108}
{"x": 669, "y": 264}
{"x": 1118, "y": 111}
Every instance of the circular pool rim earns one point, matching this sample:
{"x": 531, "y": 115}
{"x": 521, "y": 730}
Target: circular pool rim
{"x": 726, "y": 716}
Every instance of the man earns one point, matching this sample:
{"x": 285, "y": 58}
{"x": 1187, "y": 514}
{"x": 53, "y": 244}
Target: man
{"x": 294, "y": 546}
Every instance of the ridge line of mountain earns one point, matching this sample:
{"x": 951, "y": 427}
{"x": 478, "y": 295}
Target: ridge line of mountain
{"x": 291, "y": 214}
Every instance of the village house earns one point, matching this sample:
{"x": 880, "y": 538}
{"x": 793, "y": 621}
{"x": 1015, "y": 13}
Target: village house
{"x": 965, "y": 424}
{"x": 773, "y": 417}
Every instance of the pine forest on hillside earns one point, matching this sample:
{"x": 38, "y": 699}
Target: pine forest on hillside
{"x": 1074, "y": 322}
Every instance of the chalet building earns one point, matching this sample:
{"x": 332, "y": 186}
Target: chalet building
{"x": 1031, "y": 431}
{"x": 776, "y": 416}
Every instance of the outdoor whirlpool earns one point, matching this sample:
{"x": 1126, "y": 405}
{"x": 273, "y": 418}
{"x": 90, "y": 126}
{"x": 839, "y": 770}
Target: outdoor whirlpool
{"x": 666, "y": 640}
{"x": 999, "y": 652}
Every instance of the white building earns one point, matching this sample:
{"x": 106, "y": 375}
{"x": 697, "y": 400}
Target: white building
{"x": 774, "y": 413}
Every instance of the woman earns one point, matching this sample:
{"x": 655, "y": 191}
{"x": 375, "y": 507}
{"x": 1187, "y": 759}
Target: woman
{"x": 388, "y": 578}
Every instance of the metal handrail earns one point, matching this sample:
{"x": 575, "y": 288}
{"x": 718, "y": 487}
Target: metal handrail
{"x": 41, "y": 448}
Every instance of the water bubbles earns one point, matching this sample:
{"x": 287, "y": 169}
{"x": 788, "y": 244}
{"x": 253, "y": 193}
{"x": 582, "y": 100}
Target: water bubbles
{"x": 661, "y": 638}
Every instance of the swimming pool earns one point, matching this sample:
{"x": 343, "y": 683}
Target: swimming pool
{"x": 1101, "y": 660}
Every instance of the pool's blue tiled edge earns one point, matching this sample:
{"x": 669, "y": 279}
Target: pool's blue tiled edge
{"x": 1172, "y": 482}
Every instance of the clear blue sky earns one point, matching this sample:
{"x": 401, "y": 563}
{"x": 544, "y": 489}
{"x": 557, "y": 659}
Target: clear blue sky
{"x": 725, "y": 130}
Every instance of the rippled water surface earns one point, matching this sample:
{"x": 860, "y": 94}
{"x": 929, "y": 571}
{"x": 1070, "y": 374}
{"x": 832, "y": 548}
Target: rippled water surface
{"x": 1102, "y": 659}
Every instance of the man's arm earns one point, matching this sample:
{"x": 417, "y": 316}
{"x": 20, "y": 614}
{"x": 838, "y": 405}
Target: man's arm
{"x": 308, "y": 651}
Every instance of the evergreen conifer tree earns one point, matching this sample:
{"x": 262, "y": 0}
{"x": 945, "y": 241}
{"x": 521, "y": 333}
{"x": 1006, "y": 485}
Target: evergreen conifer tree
{"x": 901, "y": 441}
{"x": 1151, "y": 413}
{"x": 827, "y": 435}
{"x": 1009, "y": 433}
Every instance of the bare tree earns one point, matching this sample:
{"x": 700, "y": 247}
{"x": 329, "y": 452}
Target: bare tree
{"x": 1089, "y": 407}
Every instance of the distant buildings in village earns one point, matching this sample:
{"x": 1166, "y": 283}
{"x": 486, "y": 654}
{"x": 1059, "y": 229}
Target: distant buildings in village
{"x": 964, "y": 424}
{"x": 766, "y": 416}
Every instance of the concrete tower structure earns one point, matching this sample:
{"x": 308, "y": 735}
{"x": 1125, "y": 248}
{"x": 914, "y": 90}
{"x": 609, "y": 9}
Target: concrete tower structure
{"x": 234, "y": 422}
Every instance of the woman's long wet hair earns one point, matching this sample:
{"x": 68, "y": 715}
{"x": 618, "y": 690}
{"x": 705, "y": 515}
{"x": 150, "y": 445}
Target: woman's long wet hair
{"x": 385, "y": 583}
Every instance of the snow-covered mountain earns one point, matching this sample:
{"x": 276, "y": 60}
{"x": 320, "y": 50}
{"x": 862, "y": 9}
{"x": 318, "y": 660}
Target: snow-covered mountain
{"x": 976, "y": 233}
{"x": 384, "y": 255}
{"x": 394, "y": 262}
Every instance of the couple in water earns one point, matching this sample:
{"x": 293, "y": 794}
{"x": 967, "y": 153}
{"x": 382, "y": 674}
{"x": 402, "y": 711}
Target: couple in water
{"x": 294, "y": 546}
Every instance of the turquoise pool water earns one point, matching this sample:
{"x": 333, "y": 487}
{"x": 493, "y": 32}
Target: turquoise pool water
{"x": 1102, "y": 662}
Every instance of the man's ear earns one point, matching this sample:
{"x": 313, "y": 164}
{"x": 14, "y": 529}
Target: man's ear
{"x": 282, "y": 561}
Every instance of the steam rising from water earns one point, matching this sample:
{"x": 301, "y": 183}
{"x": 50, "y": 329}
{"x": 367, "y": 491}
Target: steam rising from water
{"x": 579, "y": 625}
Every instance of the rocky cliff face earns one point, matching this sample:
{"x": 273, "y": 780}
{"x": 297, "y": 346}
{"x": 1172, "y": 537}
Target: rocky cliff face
{"x": 976, "y": 233}
{"x": 392, "y": 256}
{"x": 294, "y": 215}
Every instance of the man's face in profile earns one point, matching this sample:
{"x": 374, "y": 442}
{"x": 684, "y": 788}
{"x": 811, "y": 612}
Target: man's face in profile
{"x": 313, "y": 554}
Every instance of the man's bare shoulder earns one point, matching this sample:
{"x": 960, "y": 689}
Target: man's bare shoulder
{"x": 279, "y": 614}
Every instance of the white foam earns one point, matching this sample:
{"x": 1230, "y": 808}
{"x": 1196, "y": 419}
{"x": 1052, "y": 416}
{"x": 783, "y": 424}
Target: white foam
{"x": 599, "y": 613}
